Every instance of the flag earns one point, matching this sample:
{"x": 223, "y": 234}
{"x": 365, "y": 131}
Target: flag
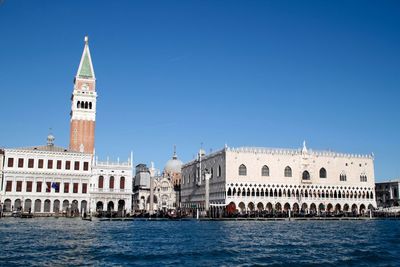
{"x": 54, "y": 185}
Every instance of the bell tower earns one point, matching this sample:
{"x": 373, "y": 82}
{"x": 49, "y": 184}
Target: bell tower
{"x": 83, "y": 106}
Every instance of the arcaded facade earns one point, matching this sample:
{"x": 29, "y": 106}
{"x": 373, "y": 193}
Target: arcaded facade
{"x": 248, "y": 179}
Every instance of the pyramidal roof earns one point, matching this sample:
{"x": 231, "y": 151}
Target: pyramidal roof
{"x": 85, "y": 69}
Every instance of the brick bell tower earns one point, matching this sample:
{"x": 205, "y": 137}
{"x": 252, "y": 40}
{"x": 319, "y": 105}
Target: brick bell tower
{"x": 83, "y": 108}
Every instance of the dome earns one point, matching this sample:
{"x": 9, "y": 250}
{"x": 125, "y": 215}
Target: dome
{"x": 173, "y": 165}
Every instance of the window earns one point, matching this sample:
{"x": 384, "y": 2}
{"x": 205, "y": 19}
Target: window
{"x": 50, "y": 164}
{"x": 40, "y": 164}
{"x": 66, "y": 188}
{"x": 306, "y": 175}
{"x": 288, "y": 172}
{"x": 86, "y": 166}
{"x": 20, "y": 163}
{"x": 59, "y": 164}
{"x": 48, "y": 187}
{"x": 30, "y": 163}
{"x": 29, "y": 186}
{"x": 343, "y": 177}
{"x": 19, "y": 186}
{"x": 322, "y": 173}
{"x": 363, "y": 178}
{"x": 111, "y": 186}
{"x": 75, "y": 189}
{"x": 38, "y": 186}
{"x": 122, "y": 183}
{"x": 101, "y": 181}
{"x": 265, "y": 171}
{"x": 84, "y": 188}
{"x": 219, "y": 171}
{"x": 68, "y": 165}
{"x": 57, "y": 187}
{"x": 76, "y": 166}
{"x": 9, "y": 186}
{"x": 242, "y": 170}
{"x": 10, "y": 162}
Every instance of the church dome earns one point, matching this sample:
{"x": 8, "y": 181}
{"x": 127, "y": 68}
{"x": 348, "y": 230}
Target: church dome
{"x": 173, "y": 165}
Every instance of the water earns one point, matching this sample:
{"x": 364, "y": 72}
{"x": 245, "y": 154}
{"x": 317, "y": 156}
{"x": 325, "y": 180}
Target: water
{"x": 50, "y": 242}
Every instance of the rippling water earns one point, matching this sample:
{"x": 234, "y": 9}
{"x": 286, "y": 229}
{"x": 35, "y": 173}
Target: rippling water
{"x": 50, "y": 241}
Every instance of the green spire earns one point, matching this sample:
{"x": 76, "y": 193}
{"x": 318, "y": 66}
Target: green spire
{"x": 86, "y": 68}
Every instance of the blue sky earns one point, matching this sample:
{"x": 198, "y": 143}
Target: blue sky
{"x": 245, "y": 73}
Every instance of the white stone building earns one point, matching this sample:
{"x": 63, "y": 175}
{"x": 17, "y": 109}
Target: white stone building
{"x": 165, "y": 196}
{"x": 111, "y": 186}
{"x": 46, "y": 179}
{"x": 248, "y": 179}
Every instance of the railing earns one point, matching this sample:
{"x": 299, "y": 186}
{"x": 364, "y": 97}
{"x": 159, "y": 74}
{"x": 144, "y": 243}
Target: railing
{"x": 110, "y": 190}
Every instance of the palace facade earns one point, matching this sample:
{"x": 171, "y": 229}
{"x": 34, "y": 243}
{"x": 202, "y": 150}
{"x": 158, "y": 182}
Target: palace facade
{"x": 251, "y": 179}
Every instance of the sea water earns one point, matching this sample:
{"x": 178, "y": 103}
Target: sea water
{"x": 63, "y": 241}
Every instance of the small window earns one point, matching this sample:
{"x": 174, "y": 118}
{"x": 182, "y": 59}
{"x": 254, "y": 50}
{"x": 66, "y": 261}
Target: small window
{"x": 363, "y": 178}
{"x": 101, "y": 181}
{"x": 10, "y": 163}
{"x": 29, "y": 186}
{"x": 111, "y": 185}
{"x": 57, "y": 187}
{"x": 306, "y": 175}
{"x": 20, "y": 163}
{"x": 48, "y": 187}
{"x": 66, "y": 187}
{"x": 76, "y": 166}
{"x": 265, "y": 171}
{"x": 9, "y": 186}
{"x": 59, "y": 163}
{"x": 40, "y": 164}
{"x": 242, "y": 170}
{"x": 19, "y": 186}
{"x": 38, "y": 187}
{"x": 68, "y": 165}
{"x": 288, "y": 172}
{"x": 122, "y": 183}
{"x": 219, "y": 171}
{"x": 50, "y": 164}
{"x": 322, "y": 173}
{"x": 30, "y": 163}
{"x": 343, "y": 177}
{"x": 84, "y": 188}
{"x": 75, "y": 189}
{"x": 86, "y": 166}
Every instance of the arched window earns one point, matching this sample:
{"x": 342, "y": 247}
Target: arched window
{"x": 78, "y": 105}
{"x": 212, "y": 172}
{"x": 111, "y": 185}
{"x": 219, "y": 171}
{"x": 343, "y": 177}
{"x": 363, "y": 178}
{"x": 122, "y": 183}
{"x": 322, "y": 173}
{"x": 288, "y": 172}
{"x": 306, "y": 175}
{"x": 101, "y": 181}
{"x": 90, "y": 105}
{"x": 242, "y": 170}
{"x": 86, "y": 105}
{"x": 265, "y": 171}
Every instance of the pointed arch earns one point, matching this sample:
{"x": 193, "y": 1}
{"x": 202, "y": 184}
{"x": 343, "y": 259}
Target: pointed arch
{"x": 265, "y": 171}
{"x": 242, "y": 170}
{"x": 288, "y": 171}
{"x": 322, "y": 173}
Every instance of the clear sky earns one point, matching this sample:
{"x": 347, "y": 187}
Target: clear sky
{"x": 244, "y": 73}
